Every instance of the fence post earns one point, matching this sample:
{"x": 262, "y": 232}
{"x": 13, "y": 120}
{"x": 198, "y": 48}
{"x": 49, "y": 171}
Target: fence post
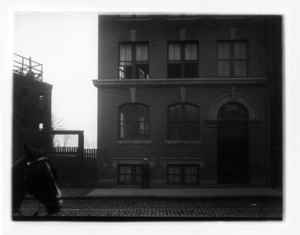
{"x": 80, "y": 155}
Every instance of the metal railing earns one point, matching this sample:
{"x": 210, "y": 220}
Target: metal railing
{"x": 140, "y": 74}
{"x": 27, "y": 67}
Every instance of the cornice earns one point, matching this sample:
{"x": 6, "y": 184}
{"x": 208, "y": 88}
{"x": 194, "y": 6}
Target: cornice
{"x": 253, "y": 81}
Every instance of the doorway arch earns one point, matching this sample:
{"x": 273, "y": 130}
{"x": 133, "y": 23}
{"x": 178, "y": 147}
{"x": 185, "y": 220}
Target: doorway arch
{"x": 227, "y": 98}
{"x": 233, "y": 147}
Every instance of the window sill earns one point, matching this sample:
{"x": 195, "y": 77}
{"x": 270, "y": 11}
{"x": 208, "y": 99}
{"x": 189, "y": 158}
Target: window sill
{"x": 133, "y": 141}
{"x": 183, "y": 141}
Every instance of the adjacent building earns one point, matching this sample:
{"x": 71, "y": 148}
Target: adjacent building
{"x": 199, "y": 96}
{"x": 31, "y": 106}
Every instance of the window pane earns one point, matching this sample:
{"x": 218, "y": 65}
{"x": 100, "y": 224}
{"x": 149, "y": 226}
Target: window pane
{"x": 174, "y": 130}
{"x": 177, "y": 179}
{"x": 125, "y": 53}
{"x": 223, "y": 68}
{"x": 127, "y": 130}
{"x": 177, "y": 170}
{"x": 190, "y": 179}
{"x": 171, "y": 179}
{"x": 191, "y": 131}
{"x": 141, "y": 129}
{"x": 183, "y": 174}
{"x": 128, "y": 170}
{"x": 128, "y": 178}
{"x": 142, "y": 71}
{"x": 175, "y": 112}
{"x": 142, "y": 53}
{"x": 132, "y": 112}
{"x": 129, "y": 174}
{"x": 122, "y": 178}
{"x": 125, "y": 70}
{"x": 223, "y": 50}
{"x": 188, "y": 170}
{"x": 122, "y": 132}
{"x": 174, "y": 70}
{"x": 171, "y": 170}
{"x": 240, "y": 50}
{"x": 240, "y": 68}
{"x": 183, "y": 123}
{"x": 187, "y": 179}
{"x": 174, "y": 52}
{"x": 191, "y": 113}
{"x": 41, "y": 101}
{"x": 41, "y": 126}
{"x": 233, "y": 111}
{"x": 191, "y": 70}
{"x": 122, "y": 169}
{"x": 190, "y": 52}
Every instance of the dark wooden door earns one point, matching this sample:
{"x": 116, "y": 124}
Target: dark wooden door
{"x": 233, "y": 167}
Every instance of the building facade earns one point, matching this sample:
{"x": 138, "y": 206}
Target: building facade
{"x": 198, "y": 96}
{"x": 31, "y": 107}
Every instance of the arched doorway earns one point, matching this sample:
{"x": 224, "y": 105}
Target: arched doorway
{"x": 233, "y": 163}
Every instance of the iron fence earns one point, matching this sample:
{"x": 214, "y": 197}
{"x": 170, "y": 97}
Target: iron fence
{"x": 75, "y": 167}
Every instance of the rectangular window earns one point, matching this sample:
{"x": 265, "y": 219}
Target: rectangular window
{"x": 134, "y": 61}
{"x": 182, "y": 60}
{"x": 41, "y": 126}
{"x": 183, "y": 174}
{"x": 41, "y": 101}
{"x": 129, "y": 174}
{"x": 232, "y": 58}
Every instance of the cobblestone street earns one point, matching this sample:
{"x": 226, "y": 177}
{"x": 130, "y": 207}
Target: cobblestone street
{"x": 162, "y": 209}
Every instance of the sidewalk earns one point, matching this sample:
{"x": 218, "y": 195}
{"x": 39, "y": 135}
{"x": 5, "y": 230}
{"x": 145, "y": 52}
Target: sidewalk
{"x": 69, "y": 193}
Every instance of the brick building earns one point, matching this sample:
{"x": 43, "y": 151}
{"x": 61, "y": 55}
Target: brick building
{"x": 198, "y": 96}
{"x": 31, "y": 107}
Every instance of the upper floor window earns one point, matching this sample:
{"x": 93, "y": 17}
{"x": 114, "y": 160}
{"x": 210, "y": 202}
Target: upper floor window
{"x": 41, "y": 126}
{"x": 232, "y": 58}
{"x": 183, "y": 122}
{"x": 41, "y": 101}
{"x": 182, "y": 59}
{"x": 133, "y": 122}
{"x": 133, "y": 60}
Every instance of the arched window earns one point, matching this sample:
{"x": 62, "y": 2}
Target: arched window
{"x": 183, "y": 122}
{"x": 133, "y": 122}
{"x": 233, "y": 111}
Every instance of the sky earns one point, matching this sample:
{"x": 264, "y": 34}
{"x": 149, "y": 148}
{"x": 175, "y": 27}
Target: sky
{"x": 67, "y": 46}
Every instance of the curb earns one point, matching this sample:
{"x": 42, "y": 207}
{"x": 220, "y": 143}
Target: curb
{"x": 169, "y": 197}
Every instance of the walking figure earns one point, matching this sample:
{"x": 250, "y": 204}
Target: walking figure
{"x": 145, "y": 174}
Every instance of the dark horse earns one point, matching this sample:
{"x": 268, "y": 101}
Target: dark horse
{"x": 34, "y": 174}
